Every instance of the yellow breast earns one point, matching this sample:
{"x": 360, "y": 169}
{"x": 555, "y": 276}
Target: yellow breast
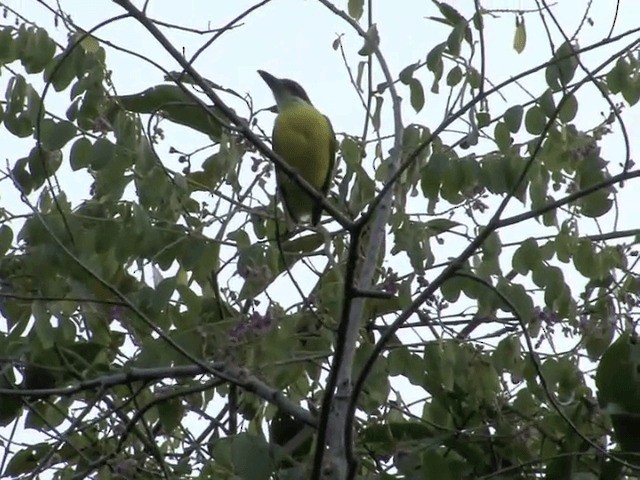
{"x": 303, "y": 138}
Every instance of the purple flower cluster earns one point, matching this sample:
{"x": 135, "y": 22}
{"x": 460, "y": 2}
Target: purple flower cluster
{"x": 546, "y": 316}
{"x": 255, "y": 324}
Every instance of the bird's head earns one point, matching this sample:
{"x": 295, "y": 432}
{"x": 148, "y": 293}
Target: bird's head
{"x": 284, "y": 91}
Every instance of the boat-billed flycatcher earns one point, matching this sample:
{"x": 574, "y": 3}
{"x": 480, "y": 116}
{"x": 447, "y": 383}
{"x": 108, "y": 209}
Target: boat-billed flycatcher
{"x": 304, "y": 138}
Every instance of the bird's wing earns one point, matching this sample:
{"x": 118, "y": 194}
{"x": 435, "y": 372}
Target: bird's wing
{"x": 317, "y": 210}
{"x": 332, "y": 159}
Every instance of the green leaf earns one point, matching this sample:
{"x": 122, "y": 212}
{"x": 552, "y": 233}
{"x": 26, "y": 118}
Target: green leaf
{"x": 162, "y": 294}
{"x": 492, "y": 246}
{"x": 435, "y": 64}
{"x": 304, "y": 244}
{"x": 251, "y": 457}
{"x": 260, "y": 265}
{"x": 363, "y": 190}
{"x": 80, "y": 155}
{"x": 417, "y": 94}
{"x": 406, "y": 241}
{"x": 596, "y": 204}
{"x": 598, "y": 335}
{"x": 46, "y": 416}
{"x": 60, "y": 71}
{"x": 508, "y": 354}
{"x": 8, "y": 47}
{"x": 283, "y": 429}
{"x": 547, "y": 103}
{"x": 103, "y": 153}
{"x": 632, "y": 93}
{"x": 26, "y": 460}
{"x": 493, "y": 173}
{"x": 483, "y": 119}
{"x": 6, "y": 237}
{"x": 377, "y": 385}
{"x": 177, "y": 107}
{"x": 535, "y": 121}
{"x": 552, "y": 77}
{"x": 22, "y": 107}
{"x": 440, "y": 225}
{"x": 589, "y": 172}
{"x": 491, "y": 249}
{"x": 474, "y": 78}
{"x": 21, "y": 175}
{"x": 453, "y": 182}
{"x": 520, "y": 36}
{"x": 451, "y": 288}
{"x": 402, "y": 362}
{"x": 619, "y": 76}
{"x": 356, "y": 9}
{"x": 568, "y": 109}
{"x": 554, "y": 284}
{"x": 42, "y": 164}
{"x": 16, "y": 94}
{"x": 35, "y": 48}
{"x": 55, "y": 135}
{"x": 526, "y": 257}
{"x": 10, "y": 405}
{"x": 562, "y": 69}
{"x": 502, "y": 137}
{"x": 513, "y": 118}
{"x": 377, "y": 112}
{"x": 42, "y": 325}
{"x": 432, "y": 461}
{"x": 432, "y": 173}
{"x": 468, "y": 169}
{"x": 617, "y": 377}
{"x": 170, "y": 413}
{"x": 564, "y": 245}
{"x": 406, "y": 74}
{"x": 566, "y": 66}
{"x": 452, "y": 15}
{"x": 454, "y": 76}
{"x": 478, "y": 22}
{"x": 518, "y": 297}
{"x": 618, "y": 388}
{"x": 19, "y": 125}
{"x": 583, "y": 258}
{"x": 454, "y": 40}
{"x": 90, "y": 44}
{"x": 389, "y": 434}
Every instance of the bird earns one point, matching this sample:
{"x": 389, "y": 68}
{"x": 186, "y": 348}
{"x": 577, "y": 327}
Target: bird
{"x": 304, "y": 138}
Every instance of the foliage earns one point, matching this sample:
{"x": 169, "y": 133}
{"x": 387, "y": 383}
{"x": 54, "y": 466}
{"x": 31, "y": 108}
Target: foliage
{"x": 164, "y": 322}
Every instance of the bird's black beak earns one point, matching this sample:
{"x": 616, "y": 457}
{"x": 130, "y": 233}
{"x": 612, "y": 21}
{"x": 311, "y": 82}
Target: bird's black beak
{"x": 270, "y": 80}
